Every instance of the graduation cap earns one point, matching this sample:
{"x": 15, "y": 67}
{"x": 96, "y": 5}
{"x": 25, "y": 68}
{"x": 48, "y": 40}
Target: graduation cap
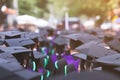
{"x": 60, "y": 40}
{"x": 10, "y": 58}
{"x": 3, "y": 61}
{"x": 24, "y": 42}
{"x": 80, "y": 38}
{"x": 32, "y": 35}
{"x": 20, "y": 53}
{"x": 38, "y": 60}
{"x": 60, "y": 43}
{"x": 114, "y": 44}
{"x": 43, "y": 32}
{"x": 97, "y": 32}
{"x": 13, "y": 66}
{"x": 94, "y": 49}
{"x": 2, "y": 41}
{"x": 12, "y": 34}
{"x": 94, "y": 75}
{"x": 15, "y": 50}
{"x": 83, "y": 37}
{"x": 38, "y": 55}
{"x": 83, "y": 58}
{"x": 28, "y": 75}
{"x": 111, "y": 60}
{"x": 8, "y": 75}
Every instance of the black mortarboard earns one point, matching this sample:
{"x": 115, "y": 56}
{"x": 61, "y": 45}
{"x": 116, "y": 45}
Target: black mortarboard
{"x": 113, "y": 60}
{"x": 9, "y": 57}
{"x": 80, "y": 56}
{"x": 114, "y": 44}
{"x": 42, "y": 31}
{"x": 24, "y": 42}
{"x": 11, "y": 34}
{"x": 20, "y": 53}
{"x": 5, "y": 73}
{"x": 13, "y": 66}
{"x": 83, "y": 58}
{"x": 60, "y": 40}
{"x": 40, "y": 60}
{"x": 83, "y": 37}
{"x": 80, "y": 38}
{"x": 59, "y": 43}
{"x": 94, "y": 75}
{"x": 29, "y": 75}
{"x": 46, "y": 31}
{"x": 38, "y": 55}
{"x": 3, "y": 61}
{"x": 74, "y": 43}
{"x": 15, "y": 50}
{"x": 94, "y": 49}
{"x": 32, "y": 35}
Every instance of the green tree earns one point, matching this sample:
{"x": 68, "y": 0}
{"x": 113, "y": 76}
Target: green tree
{"x": 33, "y": 7}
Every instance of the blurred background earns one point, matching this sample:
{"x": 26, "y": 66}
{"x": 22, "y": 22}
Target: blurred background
{"x": 89, "y": 13}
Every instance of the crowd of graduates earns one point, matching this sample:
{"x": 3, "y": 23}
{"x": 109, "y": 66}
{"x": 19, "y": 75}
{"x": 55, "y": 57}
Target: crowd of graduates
{"x": 28, "y": 55}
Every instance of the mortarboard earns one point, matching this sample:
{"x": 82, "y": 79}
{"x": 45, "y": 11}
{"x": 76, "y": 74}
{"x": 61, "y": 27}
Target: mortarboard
{"x": 8, "y": 75}
{"x": 94, "y": 75}
{"x": 13, "y": 66}
{"x": 20, "y": 53}
{"x": 60, "y": 40}
{"x": 15, "y": 50}
{"x": 38, "y": 60}
{"x": 9, "y": 57}
{"x": 83, "y": 37}
{"x": 3, "y": 61}
{"x": 80, "y": 56}
{"x": 11, "y": 34}
{"x": 38, "y": 55}
{"x": 113, "y": 60}
{"x": 24, "y": 42}
{"x": 114, "y": 44}
{"x": 95, "y": 49}
{"x": 32, "y": 35}
{"x": 28, "y": 75}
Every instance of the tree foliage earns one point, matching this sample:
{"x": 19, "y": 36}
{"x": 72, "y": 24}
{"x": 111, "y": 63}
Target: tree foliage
{"x": 33, "y": 7}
